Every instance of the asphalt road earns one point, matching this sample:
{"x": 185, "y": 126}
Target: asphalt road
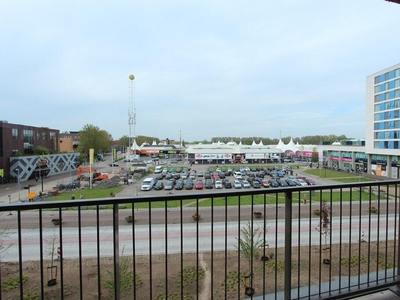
{"x": 173, "y": 237}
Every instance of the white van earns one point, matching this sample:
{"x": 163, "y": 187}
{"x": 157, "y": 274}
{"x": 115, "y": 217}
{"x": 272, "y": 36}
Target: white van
{"x": 158, "y": 169}
{"x": 148, "y": 184}
{"x": 237, "y": 175}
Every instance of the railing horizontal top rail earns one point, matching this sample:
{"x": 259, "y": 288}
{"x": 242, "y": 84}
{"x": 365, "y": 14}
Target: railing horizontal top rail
{"x": 197, "y": 195}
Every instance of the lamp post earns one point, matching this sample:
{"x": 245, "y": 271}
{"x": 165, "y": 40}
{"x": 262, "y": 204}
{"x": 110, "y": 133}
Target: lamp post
{"x": 9, "y": 199}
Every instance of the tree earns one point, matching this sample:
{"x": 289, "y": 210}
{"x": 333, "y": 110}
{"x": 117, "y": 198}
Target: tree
{"x": 324, "y": 226}
{"x": 314, "y": 156}
{"x": 123, "y": 142}
{"x": 40, "y": 150}
{"x": 251, "y": 241}
{"x": 91, "y": 137}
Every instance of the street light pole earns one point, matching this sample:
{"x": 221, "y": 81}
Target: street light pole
{"x": 9, "y": 201}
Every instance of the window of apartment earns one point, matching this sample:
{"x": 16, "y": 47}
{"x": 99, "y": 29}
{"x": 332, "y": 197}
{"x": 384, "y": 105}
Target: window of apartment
{"x": 28, "y": 136}
{"x": 14, "y": 133}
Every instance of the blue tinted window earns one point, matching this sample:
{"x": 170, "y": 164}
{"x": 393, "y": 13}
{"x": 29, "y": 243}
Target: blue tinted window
{"x": 382, "y": 87}
{"x": 391, "y": 84}
{"x": 392, "y": 74}
{"x": 382, "y": 78}
{"x": 381, "y": 97}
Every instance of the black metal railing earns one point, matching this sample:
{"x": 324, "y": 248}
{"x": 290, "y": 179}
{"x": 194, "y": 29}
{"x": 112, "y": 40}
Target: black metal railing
{"x": 326, "y": 241}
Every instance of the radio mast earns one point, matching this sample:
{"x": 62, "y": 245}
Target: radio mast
{"x": 132, "y": 116}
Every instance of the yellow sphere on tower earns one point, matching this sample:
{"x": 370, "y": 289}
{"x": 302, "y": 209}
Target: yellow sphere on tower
{"x": 131, "y": 77}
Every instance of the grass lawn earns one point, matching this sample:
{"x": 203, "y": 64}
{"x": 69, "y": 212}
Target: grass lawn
{"x": 337, "y": 176}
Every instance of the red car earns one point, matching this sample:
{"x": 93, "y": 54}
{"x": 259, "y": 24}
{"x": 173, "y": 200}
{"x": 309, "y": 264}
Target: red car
{"x": 309, "y": 181}
{"x": 199, "y": 185}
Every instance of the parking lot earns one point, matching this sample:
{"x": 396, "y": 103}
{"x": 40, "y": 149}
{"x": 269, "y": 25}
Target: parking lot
{"x": 174, "y": 178}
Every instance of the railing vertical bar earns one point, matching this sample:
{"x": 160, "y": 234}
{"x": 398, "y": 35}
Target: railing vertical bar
{"x": 276, "y": 244}
{"x": 197, "y": 250}
{"x": 239, "y": 232}
{"x": 226, "y": 246}
{"x": 150, "y": 253}
{"x": 349, "y": 239}
{"x": 252, "y": 243}
{"x": 309, "y": 248}
{"x": 80, "y": 252}
{"x": 166, "y": 245}
{"x": 377, "y": 236}
{"x": 369, "y": 235}
{"x": 21, "y": 286}
{"x": 265, "y": 242}
{"x": 298, "y": 245}
{"x": 212, "y": 249}
{"x": 340, "y": 239}
{"x": 133, "y": 250}
{"x": 41, "y": 254}
{"x": 98, "y": 252}
{"x": 387, "y": 230}
{"x": 330, "y": 240}
{"x": 181, "y": 253}
{"x": 360, "y": 235}
{"x": 397, "y": 230}
{"x": 60, "y": 232}
{"x": 320, "y": 250}
{"x": 117, "y": 291}
{"x": 288, "y": 246}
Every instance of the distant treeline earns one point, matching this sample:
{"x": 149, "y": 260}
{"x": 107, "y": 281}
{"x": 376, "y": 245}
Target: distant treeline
{"x": 305, "y": 140}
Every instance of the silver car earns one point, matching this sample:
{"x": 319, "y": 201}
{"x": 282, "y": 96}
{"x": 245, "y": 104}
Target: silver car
{"x": 237, "y": 184}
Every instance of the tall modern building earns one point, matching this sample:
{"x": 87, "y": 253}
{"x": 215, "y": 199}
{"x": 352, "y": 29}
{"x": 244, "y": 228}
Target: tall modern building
{"x": 383, "y": 117}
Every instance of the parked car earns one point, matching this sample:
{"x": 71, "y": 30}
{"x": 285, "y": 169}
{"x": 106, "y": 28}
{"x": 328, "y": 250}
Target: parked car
{"x": 273, "y": 183}
{"x": 255, "y": 184}
{"x": 237, "y": 175}
{"x": 265, "y": 183}
{"x": 208, "y": 184}
{"x": 198, "y": 185}
{"x": 159, "y": 185}
{"x": 282, "y": 182}
{"x": 114, "y": 165}
{"x": 245, "y": 184}
{"x": 309, "y": 181}
{"x": 237, "y": 184}
{"x": 189, "y": 185}
{"x": 179, "y": 184}
{"x": 169, "y": 185}
{"x": 228, "y": 184}
{"x": 218, "y": 184}
{"x": 300, "y": 182}
{"x": 290, "y": 182}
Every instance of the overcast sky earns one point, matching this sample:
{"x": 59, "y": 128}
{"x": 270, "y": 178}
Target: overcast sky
{"x": 202, "y": 68}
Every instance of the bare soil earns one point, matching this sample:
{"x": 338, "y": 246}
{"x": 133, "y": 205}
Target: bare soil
{"x": 220, "y": 274}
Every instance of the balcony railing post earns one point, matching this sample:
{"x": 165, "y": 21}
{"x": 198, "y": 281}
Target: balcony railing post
{"x": 117, "y": 291}
{"x": 288, "y": 245}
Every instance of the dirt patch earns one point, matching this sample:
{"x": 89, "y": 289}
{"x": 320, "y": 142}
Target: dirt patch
{"x": 219, "y": 274}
